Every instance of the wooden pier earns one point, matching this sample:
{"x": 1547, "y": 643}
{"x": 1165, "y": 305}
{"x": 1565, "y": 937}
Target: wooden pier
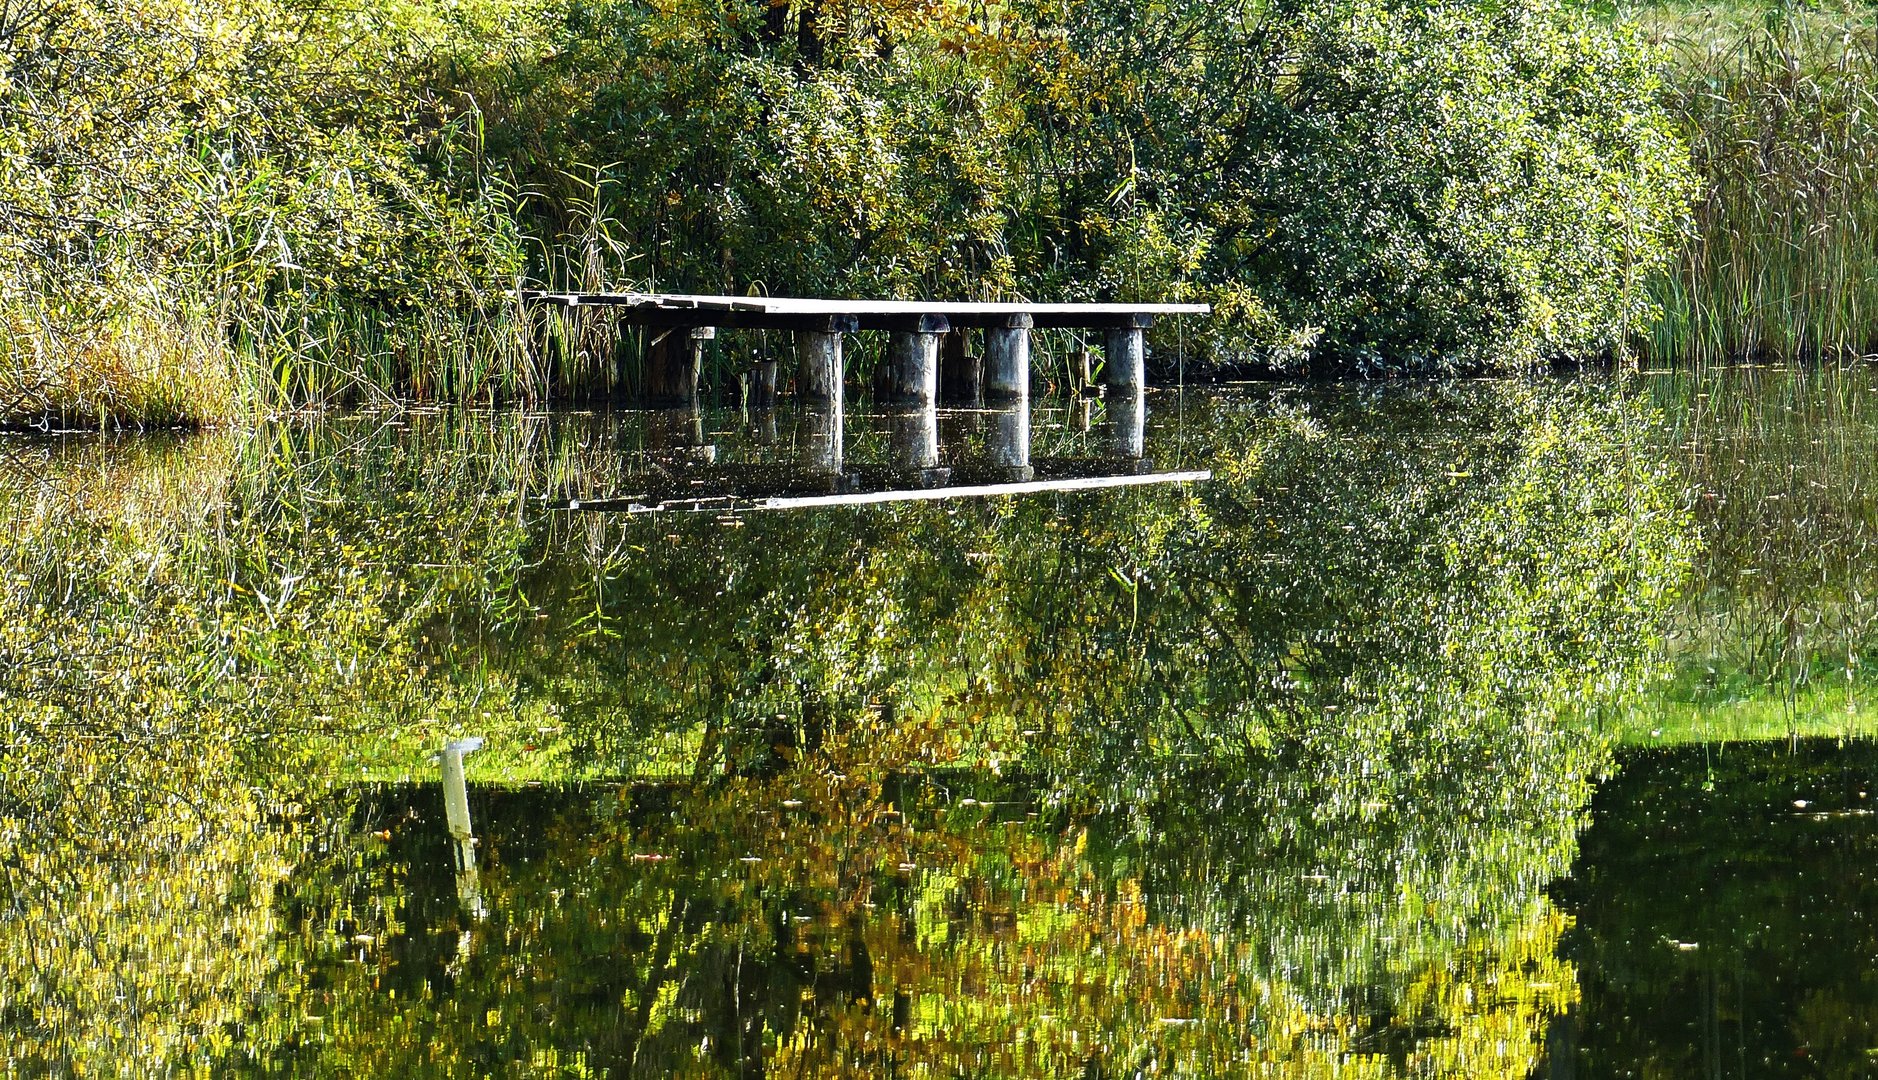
{"x": 927, "y": 357}
{"x": 928, "y": 360}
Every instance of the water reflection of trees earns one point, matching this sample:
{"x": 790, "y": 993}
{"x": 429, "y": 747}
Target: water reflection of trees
{"x": 1291, "y": 740}
{"x": 1780, "y": 617}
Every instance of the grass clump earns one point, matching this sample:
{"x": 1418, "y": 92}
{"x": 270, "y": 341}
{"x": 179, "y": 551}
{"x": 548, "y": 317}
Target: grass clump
{"x": 1780, "y": 109}
{"x": 160, "y": 368}
{"x": 208, "y": 208}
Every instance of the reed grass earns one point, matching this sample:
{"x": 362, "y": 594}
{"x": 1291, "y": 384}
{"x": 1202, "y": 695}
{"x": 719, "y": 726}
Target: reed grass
{"x": 146, "y": 364}
{"x": 198, "y": 345}
{"x": 1780, "y": 108}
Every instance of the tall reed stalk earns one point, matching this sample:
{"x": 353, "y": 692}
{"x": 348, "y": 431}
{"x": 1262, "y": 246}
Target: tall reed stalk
{"x": 1782, "y": 258}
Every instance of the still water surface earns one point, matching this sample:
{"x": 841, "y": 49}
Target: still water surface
{"x": 1494, "y": 729}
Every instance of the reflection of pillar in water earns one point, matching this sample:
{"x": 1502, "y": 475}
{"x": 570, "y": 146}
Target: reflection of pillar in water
{"x": 1010, "y": 442}
{"x": 914, "y": 438}
{"x": 1127, "y": 424}
{"x": 961, "y": 427}
{"x": 763, "y": 427}
{"x": 679, "y": 429}
{"x": 456, "y": 814}
{"x": 821, "y": 446}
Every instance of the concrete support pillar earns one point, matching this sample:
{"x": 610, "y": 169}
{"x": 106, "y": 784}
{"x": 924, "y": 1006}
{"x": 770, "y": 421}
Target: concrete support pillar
{"x": 821, "y": 366}
{"x": 673, "y": 363}
{"x": 1010, "y": 442}
{"x": 961, "y": 374}
{"x": 1007, "y": 361}
{"x": 1124, "y": 366}
{"x": 911, "y": 374}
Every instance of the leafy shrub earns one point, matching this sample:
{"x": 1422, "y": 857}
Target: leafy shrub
{"x": 1405, "y": 186}
{"x": 1369, "y": 185}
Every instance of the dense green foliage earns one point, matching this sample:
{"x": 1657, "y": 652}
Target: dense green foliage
{"x": 206, "y": 644}
{"x": 207, "y": 201}
{"x": 1379, "y": 185}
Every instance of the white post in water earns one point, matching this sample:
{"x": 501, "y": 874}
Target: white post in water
{"x": 456, "y": 814}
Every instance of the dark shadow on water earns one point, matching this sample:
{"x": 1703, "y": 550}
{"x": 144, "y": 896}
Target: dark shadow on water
{"x": 1724, "y": 900}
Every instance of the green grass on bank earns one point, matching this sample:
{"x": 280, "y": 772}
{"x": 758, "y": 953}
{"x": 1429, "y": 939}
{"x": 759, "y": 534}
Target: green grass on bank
{"x": 1821, "y": 710}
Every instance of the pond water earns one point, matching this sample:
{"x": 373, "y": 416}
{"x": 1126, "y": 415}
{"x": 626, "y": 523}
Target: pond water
{"x": 1487, "y": 729}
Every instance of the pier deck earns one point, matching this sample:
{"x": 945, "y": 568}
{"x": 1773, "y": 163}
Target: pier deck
{"x": 928, "y": 351}
{"x": 794, "y": 312}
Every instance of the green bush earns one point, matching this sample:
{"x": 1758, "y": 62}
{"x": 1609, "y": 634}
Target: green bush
{"x": 1372, "y": 185}
{"x": 1401, "y": 186}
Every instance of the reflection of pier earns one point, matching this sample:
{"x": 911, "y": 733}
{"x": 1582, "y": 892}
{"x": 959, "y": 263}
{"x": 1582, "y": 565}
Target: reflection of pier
{"x": 928, "y": 360}
{"x": 817, "y": 456}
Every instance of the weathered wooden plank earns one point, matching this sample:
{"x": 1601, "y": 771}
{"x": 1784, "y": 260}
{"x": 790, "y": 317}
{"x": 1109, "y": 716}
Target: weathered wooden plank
{"x": 961, "y": 313}
{"x": 965, "y": 491}
{"x": 755, "y": 320}
{"x": 875, "y": 498}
